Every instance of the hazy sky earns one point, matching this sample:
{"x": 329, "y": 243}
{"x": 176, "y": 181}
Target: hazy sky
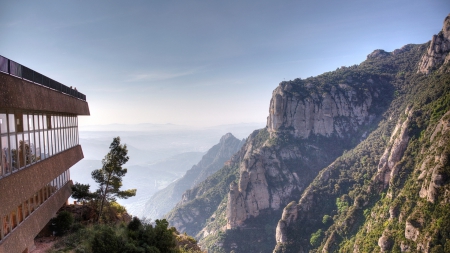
{"x": 201, "y": 62}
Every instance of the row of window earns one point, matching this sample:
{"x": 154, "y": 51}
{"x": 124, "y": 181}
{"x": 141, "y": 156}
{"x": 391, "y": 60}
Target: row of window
{"x": 11, "y": 220}
{"x": 27, "y": 138}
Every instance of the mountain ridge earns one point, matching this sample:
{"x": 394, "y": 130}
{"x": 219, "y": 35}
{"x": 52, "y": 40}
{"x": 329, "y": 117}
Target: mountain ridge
{"x": 344, "y": 134}
{"x": 164, "y": 200}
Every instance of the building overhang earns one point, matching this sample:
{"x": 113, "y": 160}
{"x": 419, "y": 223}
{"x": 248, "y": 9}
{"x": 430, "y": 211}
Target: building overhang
{"x": 20, "y": 185}
{"x": 22, "y": 236}
{"x": 17, "y": 93}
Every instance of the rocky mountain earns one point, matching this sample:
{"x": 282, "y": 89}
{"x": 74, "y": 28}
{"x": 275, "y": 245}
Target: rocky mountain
{"x": 353, "y": 160}
{"x": 391, "y": 192}
{"x": 166, "y": 199}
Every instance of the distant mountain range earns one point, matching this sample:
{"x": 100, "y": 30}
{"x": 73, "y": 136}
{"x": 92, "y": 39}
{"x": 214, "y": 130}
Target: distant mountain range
{"x": 158, "y": 156}
{"x": 166, "y": 199}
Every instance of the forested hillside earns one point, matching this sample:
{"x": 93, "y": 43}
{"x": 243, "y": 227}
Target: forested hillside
{"x": 353, "y": 160}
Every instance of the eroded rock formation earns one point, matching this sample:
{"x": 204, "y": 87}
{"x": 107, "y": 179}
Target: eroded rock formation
{"x": 438, "y": 50}
{"x": 394, "y": 151}
{"x": 432, "y": 168}
{"x": 337, "y": 111}
{"x": 299, "y": 110}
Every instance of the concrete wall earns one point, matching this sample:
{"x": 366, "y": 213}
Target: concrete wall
{"x": 21, "y": 185}
{"x": 22, "y": 237}
{"x": 22, "y": 94}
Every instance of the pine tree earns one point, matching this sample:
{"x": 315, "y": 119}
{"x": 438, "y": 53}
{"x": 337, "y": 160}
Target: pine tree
{"x": 109, "y": 177}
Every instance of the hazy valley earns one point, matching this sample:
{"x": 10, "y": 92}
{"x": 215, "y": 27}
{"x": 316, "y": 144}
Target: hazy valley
{"x": 159, "y": 155}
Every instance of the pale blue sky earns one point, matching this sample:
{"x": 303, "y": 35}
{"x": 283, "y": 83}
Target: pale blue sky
{"x": 201, "y": 62}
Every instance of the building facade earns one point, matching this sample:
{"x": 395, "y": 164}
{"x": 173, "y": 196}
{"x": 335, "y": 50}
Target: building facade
{"x": 39, "y": 143}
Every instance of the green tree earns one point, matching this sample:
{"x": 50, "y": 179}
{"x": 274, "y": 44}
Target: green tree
{"x": 109, "y": 177}
{"x": 106, "y": 241}
{"x": 62, "y": 222}
{"x": 165, "y": 236}
{"x": 81, "y": 192}
{"x": 316, "y": 238}
{"x": 326, "y": 219}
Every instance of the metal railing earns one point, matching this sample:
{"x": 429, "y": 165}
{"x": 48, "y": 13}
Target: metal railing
{"x": 15, "y": 69}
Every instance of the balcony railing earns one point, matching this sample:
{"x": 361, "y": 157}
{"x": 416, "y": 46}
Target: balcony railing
{"x": 15, "y": 69}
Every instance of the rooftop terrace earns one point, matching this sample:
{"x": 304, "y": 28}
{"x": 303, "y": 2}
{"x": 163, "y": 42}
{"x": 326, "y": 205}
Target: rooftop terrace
{"x": 15, "y": 69}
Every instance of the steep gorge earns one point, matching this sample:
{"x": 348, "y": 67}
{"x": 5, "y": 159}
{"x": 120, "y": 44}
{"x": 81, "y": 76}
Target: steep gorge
{"x": 166, "y": 199}
{"x": 344, "y": 145}
{"x": 390, "y": 193}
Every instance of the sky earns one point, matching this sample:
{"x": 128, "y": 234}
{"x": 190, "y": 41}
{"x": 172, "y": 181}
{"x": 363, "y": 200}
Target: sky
{"x": 201, "y": 63}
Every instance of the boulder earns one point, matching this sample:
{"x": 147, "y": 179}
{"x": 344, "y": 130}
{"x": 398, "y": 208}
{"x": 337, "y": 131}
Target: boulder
{"x": 385, "y": 243}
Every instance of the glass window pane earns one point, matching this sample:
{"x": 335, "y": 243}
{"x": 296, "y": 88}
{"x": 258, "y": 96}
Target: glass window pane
{"x": 14, "y": 152}
{"x": 39, "y": 148}
{"x": 44, "y": 144}
{"x": 31, "y": 151}
{"x": 30, "y": 122}
{"x": 36, "y": 121}
{"x": 57, "y": 141}
{"x": 41, "y": 126}
{"x": 26, "y": 148}
{"x": 12, "y": 123}
{"x": 21, "y": 154}
{"x": 3, "y": 123}
{"x": 72, "y": 136}
{"x": 24, "y": 122}
{"x": 6, "y": 157}
{"x": 64, "y": 139}
{"x": 44, "y": 119}
{"x": 51, "y": 141}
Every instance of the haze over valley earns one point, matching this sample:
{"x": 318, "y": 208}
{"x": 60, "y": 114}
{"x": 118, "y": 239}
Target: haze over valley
{"x": 159, "y": 154}
{"x": 290, "y": 126}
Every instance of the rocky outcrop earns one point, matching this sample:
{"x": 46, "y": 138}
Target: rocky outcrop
{"x": 339, "y": 111}
{"x": 385, "y": 243}
{"x": 378, "y": 53}
{"x": 236, "y": 211}
{"x": 292, "y": 211}
{"x": 200, "y": 202}
{"x": 394, "y": 151}
{"x": 411, "y": 232}
{"x": 253, "y": 193}
{"x": 438, "y": 50}
{"x": 298, "y": 110}
{"x": 432, "y": 168}
{"x": 164, "y": 200}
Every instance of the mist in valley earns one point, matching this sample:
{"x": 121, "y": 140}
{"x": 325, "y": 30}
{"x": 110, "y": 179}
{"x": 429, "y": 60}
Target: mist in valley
{"x": 159, "y": 154}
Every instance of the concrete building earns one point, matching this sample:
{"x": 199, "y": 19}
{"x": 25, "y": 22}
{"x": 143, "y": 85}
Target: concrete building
{"x": 39, "y": 143}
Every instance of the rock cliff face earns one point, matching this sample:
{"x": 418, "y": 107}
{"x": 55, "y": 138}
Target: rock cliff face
{"x": 391, "y": 193}
{"x": 298, "y": 110}
{"x": 166, "y": 199}
{"x": 336, "y": 111}
{"x": 346, "y": 145}
{"x": 199, "y": 203}
{"x": 432, "y": 175}
{"x": 394, "y": 151}
{"x": 438, "y": 50}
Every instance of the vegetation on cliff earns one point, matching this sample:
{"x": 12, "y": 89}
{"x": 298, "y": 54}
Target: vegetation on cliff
{"x": 103, "y": 226}
{"x": 358, "y": 157}
{"x": 390, "y": 193}
{"x": 135, "y": 237}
